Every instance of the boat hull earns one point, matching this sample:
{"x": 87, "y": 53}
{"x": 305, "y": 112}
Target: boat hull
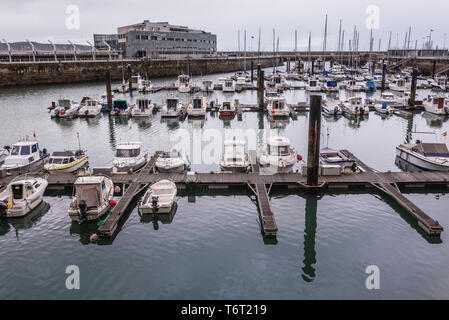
{"x": 419, "y": 161}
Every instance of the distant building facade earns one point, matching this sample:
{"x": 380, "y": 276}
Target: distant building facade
{"x": 419, "y": 53}
{"x": 110, "y": 39}
{"x": 159, "y": 38}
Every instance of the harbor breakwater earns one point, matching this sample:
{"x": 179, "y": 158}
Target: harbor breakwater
{"x": 20, "y": 74}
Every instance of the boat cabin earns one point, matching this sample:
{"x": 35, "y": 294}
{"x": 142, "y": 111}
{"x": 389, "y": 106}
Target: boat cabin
{"x": 313, "y": 83}
{"x": 278, "y": 146}
{"x": 64, "y": 157}
{"x": 128, "y": 150}
{"x": 22, "y": 188}
{"x": 120, "y": 104}
{"x": 91, "y": 189}
{"x": 431, "y": 149}
{"x": 170, "y": 154}
{"x": 278, "y": 103}
{"x": 197, "y": 103}
{"x": 387, "y": 96}
{"x": 183, "y": 78}
{"x": 172, "y": 103}
{"x": 25, "y": 148}
{"x": 226, "y": 106}
{"x": 234, "y": 151}
{"x": 229, "y": 83}
{"x": 91, "y": 103}
{"x": 65, "y": 103}
{"x": 143, "y": 103}
{"x": 355, "y": 101}
{"x": 438, "y": 102}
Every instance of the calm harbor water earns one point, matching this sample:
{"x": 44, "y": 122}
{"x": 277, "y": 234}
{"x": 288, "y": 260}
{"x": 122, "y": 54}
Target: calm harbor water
{"x": 212, "y": 247}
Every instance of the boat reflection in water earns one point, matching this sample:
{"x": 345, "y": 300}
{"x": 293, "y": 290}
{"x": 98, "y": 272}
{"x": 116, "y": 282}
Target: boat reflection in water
{"x": 172, "y": 124}
{"x": 164, "y": 218}
{"x": 433, "y": 120}
{"x": 406, "y": 166}
{"x": 26, "y": 222}
{"x": 142, "y": 123}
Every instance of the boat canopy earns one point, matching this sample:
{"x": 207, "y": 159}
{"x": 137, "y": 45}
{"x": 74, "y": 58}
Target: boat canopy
{"x": 370, "y": 85}
{"x": 332, "y": 84}
{"x": 170, "y": 154}
{"x": 197, "y": 103}
{"x": 120, "y": 104}
{"x": 432, "y": 149}
{"x": 62, "y": 154}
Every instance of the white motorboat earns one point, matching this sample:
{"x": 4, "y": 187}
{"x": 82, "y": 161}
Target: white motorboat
{"x": 171, "y": 108}
{"x": 383, "y": 108}
{"x": 355, "y": 106}
{"x": 183, "y": 83}
{"x": 378, "y": 82}
{"x": 437, "y": 105}
{"x": 398, "y": 86}
{"x": 128, "y": 157}
{"x": 197, "y": 108}
{"x": 145, "y": 86}
{"x": 234, "y": 156}
{"x": 65, "y": 109}
{"x": 228, "y": 85}
{"x": 331, "y": 86}
{"x": 277, "y": 107}
{"x": 120, "y": 108}
{"x": 159, "y": 197}
{"x": 388, "y": 98}
{"x": 332, "y": 107}
{"x": 142, "y": 109}
{"x": 21, "y": 196}
{"x": 172, "y": 162}
{"x": 92, "y": 198}
{"x": 353, "y": 86}
{"x": 66, "y": 161}
{"x": 3, "y": 154}
{"x": 279, "y": 81}
{"x": 227, "y": 110}
{"x": 313, "y": 86}
{"x": 136, "y": 83}
{"x": 24, "y": 154}
{"x": 435, "y": 85}
{"x": 207, "y": 86}
{"x": 278, "y": 156}
{"x": 333, "y": 157}
{"x": 427, "y": 156}
{"x": 91, "y": 109}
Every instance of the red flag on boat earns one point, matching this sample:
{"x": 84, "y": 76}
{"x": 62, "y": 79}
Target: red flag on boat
{"x": 34, "y": 134}
{"x": 444, "y": 133}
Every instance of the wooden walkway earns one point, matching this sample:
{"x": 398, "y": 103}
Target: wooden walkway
{"x": 110, "y": 226}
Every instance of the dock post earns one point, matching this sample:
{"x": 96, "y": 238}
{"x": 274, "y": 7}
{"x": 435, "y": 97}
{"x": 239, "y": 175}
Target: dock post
{"x": 252, "y": 72}
{"x": 130, "y": 80}
{"x": 411, "y": 102}
{"x": 313, "y": 67}
{"x": 434, "y": 68}
{"x": 261, "y": 78}
{"x": 108, "y": 89}
{"x": 314, "y": 140}
{"x": 384, "y": 71}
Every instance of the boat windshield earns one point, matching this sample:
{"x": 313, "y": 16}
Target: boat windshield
{"x": 25, "y": 151}
{"x": 15, "y": 151}
{"x": 127, "y": 153}
{"x": 172, "y": 154}
{"x": 234, "y": 160}
{"x": 172, "y": 103}
{"x": 197, "y": 103}
{"x": 278, "y": 150}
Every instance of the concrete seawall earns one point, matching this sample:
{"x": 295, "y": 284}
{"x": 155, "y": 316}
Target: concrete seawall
{"x": 41, "y": 73}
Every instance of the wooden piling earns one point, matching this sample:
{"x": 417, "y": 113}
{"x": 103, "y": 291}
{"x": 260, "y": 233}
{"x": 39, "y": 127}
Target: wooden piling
{"x": 384, "y": 71}
{"x": 314, "y": 140}
{"x": 434, "y": 68}
{"x": 260, "y": 89}
{"x": 412, "y": 99}
{"x": 252, "y": 72}
{"x": 108, "y": 89}
{"x": 130, "y": 80}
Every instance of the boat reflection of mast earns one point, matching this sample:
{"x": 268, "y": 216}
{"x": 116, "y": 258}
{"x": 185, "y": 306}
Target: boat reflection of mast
{"x": 111, "y": 131}
{"x": 309, "y": 261}
{"x": 408, "y": 137}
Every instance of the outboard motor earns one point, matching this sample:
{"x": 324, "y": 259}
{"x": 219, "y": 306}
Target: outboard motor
{"x": 82, "y": 205}
{"x": 154, "y": 201}
{"x": 336, "y": 110}
{"x": 57, "y": 113}
{"x": 3, "y": 209}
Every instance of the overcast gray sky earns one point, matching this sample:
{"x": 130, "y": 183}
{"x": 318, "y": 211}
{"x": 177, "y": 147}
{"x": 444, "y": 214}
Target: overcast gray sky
{"x": 46, "y": 19}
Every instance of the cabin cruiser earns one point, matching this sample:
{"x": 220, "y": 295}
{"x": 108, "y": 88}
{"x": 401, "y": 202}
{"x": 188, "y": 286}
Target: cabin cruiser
{"x": 271, "y": 91}
{"x": 355, "y": 106}
{"x": 378, "y": 82}
{"x": 172, "y": 162}
{"x": 427, "y": 156}
{"x": 66, "y": 161}
{"x": 436, "y": 86}
{"x": 234, "y": 156}
{"x": 313, "y": 86}
{"x": 339, "y": 76}
{"x": 183, "y": 83}
{"x": 333, "y": 157}
{"x": 120, "y": 108}
{"x": 145, "y": 85}
{"x": 24, "y": 154}
{"x": 353, "y": 86}
{"x": 398, "y": 86}
{"x": 388, "y": 98}
{"x": 437, "y": 105}
{"x": 228, "y": 85}
{"x": 331, "y": 107}
{"x": 197, "y": 108}
{"x": 278, "y": 155}
{"x": 227, "y": 109}
{"x": 65, "y": 109}
{"x": 128, "y": 157}
{"x": 21, "y": 196}
{"x": 383, "y": 108}
{"x": 171, "y": 108}
{"x": 142, "y": 109}
{"x": 159, "y": 197}
{"x": 92, "y": 198}
{"x": 3, "y": 154}
{"x": 207, "y": 86}
{"x": 279, "y": 81}
{"x": 91, "y": 109}
{"x": 104, "y": 100}
{"x": 277, "y": 107}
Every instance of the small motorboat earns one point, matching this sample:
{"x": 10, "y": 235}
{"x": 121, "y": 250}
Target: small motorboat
{"x": 197, "y": 108}
{"x": 278, "y": 156}
{"x": 207, "y": 86}
{"x": 91, "y": 109}
{"x": 234, "y": 156}
{"x": 159, "y": 198}
{"x": 24, "y": 154}
{"x": 354, "y": 86}
{"x": 331, "y": 107}
{"x": 92, "y": 198}
{"x": 183, "y": 83}
{"x": 383, "y": 108}
{"x": 22, "y": 195}
{"x": 145, "y": 86}
{"x": 142, "y": 109}
{"x": 227, "y": 110}
{"x": 120, "y": 108}
{"x": 171, "y": 108}
{"x": 128, "y": 157}
{"x": 173, "y": 162}
{"x": 355, "y": 106}
{"x": 333, "y": 157}
{"x": 228, "y": 85}
{"x": 427, "y": 156}
{"x": 277, "y": 107}
{"x": 66, "y": 161}
{"x": 65, "y": 109}
{"x": 388, "y": 98}
{"x": 437, "y": 105}
{"x": 313, "y": 86}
